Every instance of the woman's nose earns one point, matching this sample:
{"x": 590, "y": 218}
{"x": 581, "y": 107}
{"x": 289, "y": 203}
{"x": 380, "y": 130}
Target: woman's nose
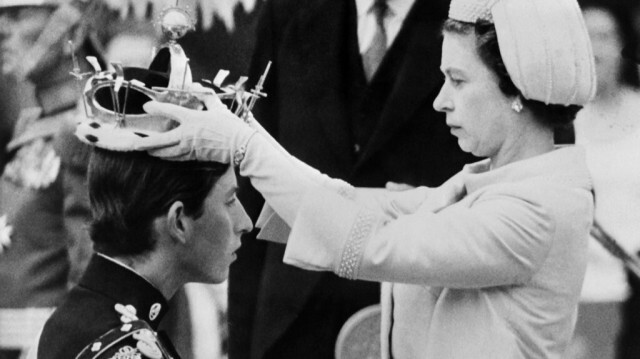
{"x": 442, "y": 103}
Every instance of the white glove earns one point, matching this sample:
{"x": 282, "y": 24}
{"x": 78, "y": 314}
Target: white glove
{"x": 218, "y": 135}
{"x": 212, "y": 102}
{"x": 310, "y": 172}
{"x": 213, "y": 135}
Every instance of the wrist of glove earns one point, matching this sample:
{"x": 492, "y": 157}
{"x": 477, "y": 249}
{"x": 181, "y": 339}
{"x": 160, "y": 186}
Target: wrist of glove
{"x": 311, "y": 173}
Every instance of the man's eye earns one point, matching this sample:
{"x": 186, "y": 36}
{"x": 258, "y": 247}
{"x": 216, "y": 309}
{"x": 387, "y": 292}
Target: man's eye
{"x": 232, "y": 200}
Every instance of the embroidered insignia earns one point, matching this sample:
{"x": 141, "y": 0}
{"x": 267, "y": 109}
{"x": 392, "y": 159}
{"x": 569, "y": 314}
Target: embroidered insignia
{"x": 5, "y": 233}
{"x": 147, "y": 344}
{"x": 150, "y": 350}
{"x": 127, "y": 352}
{"x": 154, "y": 311}
{"x": 145, "y": 335}
{"x": 36, "y": 165}
{"x": 128, "y": 312}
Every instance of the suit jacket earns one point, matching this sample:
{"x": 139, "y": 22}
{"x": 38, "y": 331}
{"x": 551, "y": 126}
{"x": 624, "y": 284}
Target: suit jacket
{"x": 319, "y": 107}
{"x": 497, "y": 274}
{"x": 89, "y": 312}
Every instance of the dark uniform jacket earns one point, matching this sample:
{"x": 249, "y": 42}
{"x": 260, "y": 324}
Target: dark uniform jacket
{"x": 320, "y": 107}
{"x": 88, "y": 313}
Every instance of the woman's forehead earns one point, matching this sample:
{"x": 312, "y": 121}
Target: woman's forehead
{"x": 459, "y": 53}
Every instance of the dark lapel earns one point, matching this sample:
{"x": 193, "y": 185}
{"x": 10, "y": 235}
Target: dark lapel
{"x": 411, "y": 68}
{"x": 283, "y": 297}
{"x": 314, "y": 51}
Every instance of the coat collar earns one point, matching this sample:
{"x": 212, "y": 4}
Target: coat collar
{"x": 126, "y": 287}
{"x": 564, "y": 167}
{"x": 410, "y": 68}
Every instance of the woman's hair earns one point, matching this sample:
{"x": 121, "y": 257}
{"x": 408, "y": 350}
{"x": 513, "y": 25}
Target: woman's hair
{"x": 128, "y": 190}
{"x": 489, "y": 52}
{"x": 622, "y": 16}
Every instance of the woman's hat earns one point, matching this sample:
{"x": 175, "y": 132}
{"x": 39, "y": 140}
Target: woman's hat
{"x": 544, "y": 45}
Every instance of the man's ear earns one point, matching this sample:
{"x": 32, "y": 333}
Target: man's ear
{"x": 178, "y": 223}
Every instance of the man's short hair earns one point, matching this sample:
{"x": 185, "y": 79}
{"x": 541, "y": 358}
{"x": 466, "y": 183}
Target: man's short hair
{"x": 128, "y": 190}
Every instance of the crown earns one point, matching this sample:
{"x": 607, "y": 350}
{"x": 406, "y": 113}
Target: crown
{"x": 116, "y": 97}
{"x": 114, "y": 100}
{"x": 544, "y": 45}
{"x": 471, "y": 10}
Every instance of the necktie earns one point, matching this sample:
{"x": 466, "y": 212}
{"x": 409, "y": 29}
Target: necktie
{"x": 372, "y": 58}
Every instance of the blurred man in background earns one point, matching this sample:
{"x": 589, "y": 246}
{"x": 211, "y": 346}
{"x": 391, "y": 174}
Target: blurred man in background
{"x": 43, "y": 180}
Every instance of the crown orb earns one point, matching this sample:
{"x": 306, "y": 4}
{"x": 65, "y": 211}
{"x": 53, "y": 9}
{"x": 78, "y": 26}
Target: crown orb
{"x": 175, "y": 23}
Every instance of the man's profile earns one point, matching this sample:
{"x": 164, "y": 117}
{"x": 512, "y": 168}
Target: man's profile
{"x": 156, "y": 226}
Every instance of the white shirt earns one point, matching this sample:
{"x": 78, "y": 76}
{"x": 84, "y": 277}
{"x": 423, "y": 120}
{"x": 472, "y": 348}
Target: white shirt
{"x": 398, "y": 10}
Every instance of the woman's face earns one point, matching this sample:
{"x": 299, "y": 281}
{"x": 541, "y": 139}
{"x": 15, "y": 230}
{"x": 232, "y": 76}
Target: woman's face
{"x": 607, "y": 46}
{"x": 477, "y": 112}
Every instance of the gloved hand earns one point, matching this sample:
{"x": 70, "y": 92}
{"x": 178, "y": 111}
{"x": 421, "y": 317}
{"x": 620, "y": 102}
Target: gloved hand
{"x": 211, "y": 101}
{"x": 212, "y": 135}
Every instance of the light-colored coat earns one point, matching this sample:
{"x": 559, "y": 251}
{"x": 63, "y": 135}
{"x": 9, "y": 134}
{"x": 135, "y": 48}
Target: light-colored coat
{"x": 495, "y": 275}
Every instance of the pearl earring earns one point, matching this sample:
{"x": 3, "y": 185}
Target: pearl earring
{"x": 516, "y": 105}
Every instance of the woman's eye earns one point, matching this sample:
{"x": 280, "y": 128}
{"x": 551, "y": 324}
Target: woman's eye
{"x": 456, "y": 82}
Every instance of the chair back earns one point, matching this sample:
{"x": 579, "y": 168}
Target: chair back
{"x": 359, "y": 337}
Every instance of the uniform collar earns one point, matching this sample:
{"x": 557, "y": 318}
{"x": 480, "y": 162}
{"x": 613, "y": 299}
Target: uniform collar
{"x": 124, "y": 286}
{"x": 564, "y": 167}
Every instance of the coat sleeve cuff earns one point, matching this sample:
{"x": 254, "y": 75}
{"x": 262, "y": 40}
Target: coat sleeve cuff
{"x": 330, "y": 234}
